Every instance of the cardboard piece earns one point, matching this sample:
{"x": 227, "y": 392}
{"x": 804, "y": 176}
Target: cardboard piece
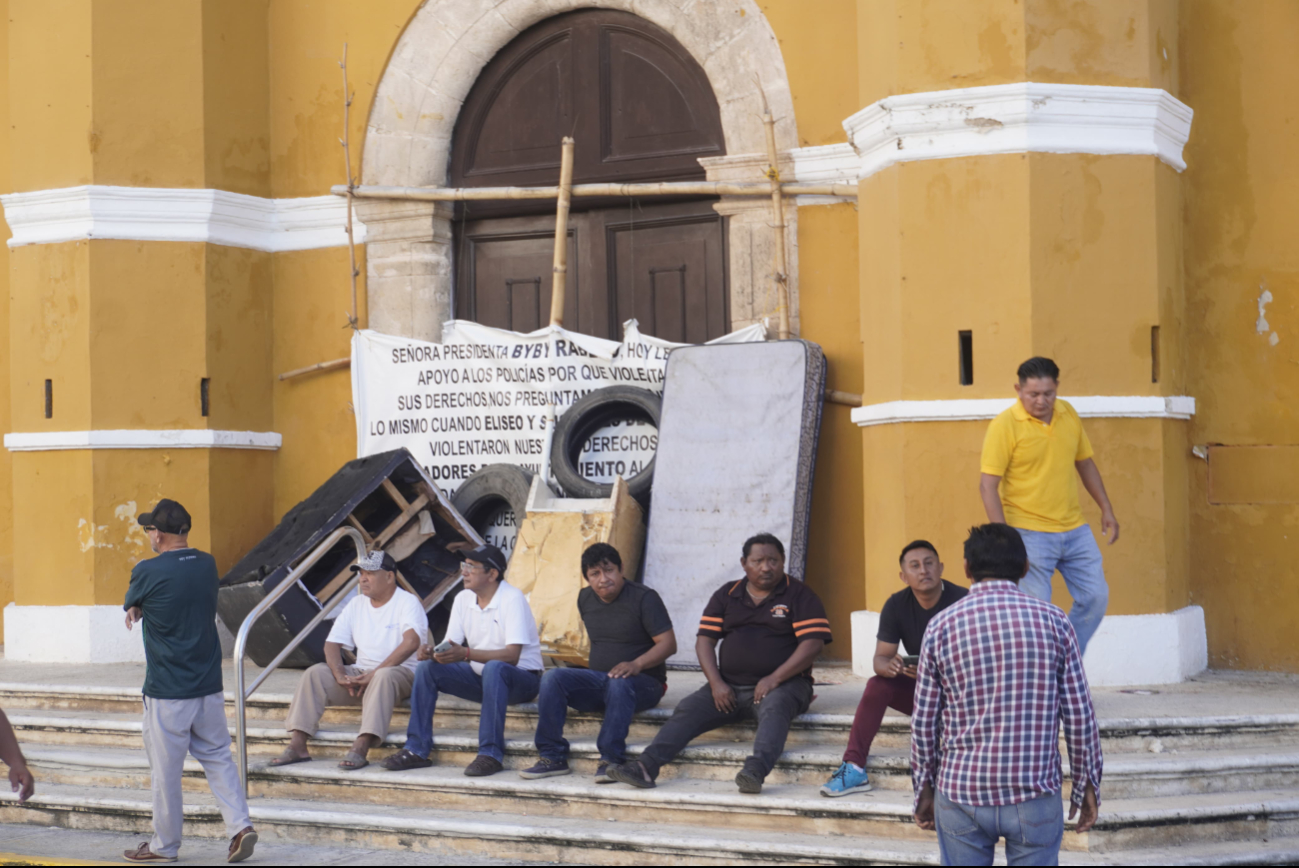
{"x": 546, "y": 562}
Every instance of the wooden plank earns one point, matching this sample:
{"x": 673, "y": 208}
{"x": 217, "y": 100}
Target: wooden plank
{"x": 443, "y": 508}
{"x": 331, "y": 587}
{"x": 395, "y": 494}
{"x": 365, "y": 534}
{"x": 435, "y": 596}
{"x": 411, "y": 510}
{"x": 406, "y": 585}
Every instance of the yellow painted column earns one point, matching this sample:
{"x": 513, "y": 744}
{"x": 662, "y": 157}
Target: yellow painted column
{"x": 1072, "y": 256}
{"x": 109, "y": 335}
{"x": 6, "y": 462}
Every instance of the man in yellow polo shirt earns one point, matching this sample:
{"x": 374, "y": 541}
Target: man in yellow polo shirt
{"x": 1031, "y": 453}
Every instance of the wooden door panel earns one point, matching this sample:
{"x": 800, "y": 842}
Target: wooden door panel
{"x": 508, "y": 279}
{"x": 670, "y": 275}
{"x": 639, "y": 106}
{"x": 652, "y": 107}
{"x": 523, "y": 119}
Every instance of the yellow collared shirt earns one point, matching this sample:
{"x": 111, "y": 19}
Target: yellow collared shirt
{"x": 1039, "y": 487}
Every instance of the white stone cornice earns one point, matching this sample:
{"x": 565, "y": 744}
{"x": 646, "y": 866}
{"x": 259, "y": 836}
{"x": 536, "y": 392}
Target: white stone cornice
{"x": 1088, "y": 406}
{"x": 1019, "y": 118}
{"x": 175, "y": 214}
{"x": 185, "y": 438}
{"x": 825, "y": 164}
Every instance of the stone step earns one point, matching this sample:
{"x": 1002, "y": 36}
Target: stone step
{"x": 882, "y": 813}
{"x": 1200, "y": 830}
{"x": 580, "y": 840}
{"x": 1138, "y": 735}
{"x": 1127, "y": 776}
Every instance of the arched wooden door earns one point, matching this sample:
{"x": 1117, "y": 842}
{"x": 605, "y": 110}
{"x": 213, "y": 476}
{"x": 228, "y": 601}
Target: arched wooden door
{"x": 640, "y": 109}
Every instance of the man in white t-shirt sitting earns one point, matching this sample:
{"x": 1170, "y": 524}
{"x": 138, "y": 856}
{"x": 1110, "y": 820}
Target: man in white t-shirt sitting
{"x": 491, "y": 656}
{"x": 386, "y": 625}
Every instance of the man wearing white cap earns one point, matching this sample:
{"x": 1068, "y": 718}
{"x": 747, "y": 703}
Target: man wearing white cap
{"x": 385, "y": 625}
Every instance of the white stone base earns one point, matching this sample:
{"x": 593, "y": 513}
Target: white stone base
{"x": 70, "y": 634}
{"x": 1126, "y": 650}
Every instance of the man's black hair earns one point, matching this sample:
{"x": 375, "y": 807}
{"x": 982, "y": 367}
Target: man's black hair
{"x": 995, "y": 551}
{"x": 916, "y": 544}
{"x": 763, "y": 539}
{"x": 1039, "y": 367}
{"x": 597, "y": 554}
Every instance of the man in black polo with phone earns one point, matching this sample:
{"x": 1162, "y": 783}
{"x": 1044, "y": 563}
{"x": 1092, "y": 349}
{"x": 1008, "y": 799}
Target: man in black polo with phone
{"x": 904, "y": 618}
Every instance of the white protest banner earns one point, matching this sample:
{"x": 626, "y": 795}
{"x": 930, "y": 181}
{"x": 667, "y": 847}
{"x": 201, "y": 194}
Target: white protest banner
{"x": 482, "y": 397}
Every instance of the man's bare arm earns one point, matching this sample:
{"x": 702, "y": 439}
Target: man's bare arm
{"x": 665, "y": 645}
{"x": 1091, "y": 480}
{"x": 991, "y": 497}
{"x": 887, "y": 663}
{"x": 706, "y": 652}
{"x": 19, "y": 777}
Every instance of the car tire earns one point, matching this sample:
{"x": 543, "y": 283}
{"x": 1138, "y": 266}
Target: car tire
{"x": 482, "y": 495}
{"x": 588, "y": 415}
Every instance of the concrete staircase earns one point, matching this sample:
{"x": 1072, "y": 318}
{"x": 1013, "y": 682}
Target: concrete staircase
{"x": 1221, "y": 790}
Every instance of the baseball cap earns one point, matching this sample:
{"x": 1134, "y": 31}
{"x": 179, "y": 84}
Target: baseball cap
{"x": 376, "y": 560}
{"x": 168, "y": 516}
{"x": 489, "y": 556}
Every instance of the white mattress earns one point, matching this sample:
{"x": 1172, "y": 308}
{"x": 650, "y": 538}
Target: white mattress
{"x": 736, "y": 455}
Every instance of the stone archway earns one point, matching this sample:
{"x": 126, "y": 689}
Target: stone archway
{"x": 409, "y": 279}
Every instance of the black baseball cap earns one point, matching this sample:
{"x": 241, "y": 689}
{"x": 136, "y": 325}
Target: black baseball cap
{"x": 489, "y": 556}
{"x": 168, "y": 516}
{"x": 375, "y": 560}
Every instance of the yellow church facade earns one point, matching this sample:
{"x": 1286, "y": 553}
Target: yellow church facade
{"x": 1107, "y": 182}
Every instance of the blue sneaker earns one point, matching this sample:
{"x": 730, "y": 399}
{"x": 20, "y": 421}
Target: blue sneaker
{"x": 846, "y": 780}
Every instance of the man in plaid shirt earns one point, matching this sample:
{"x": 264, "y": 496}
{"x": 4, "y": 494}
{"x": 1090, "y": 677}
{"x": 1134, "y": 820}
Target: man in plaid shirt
{"x": 998, "y": 671}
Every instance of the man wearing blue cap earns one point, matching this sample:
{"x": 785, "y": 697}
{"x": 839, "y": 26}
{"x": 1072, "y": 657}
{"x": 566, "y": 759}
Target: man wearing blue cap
{"x": 491, "y": 655}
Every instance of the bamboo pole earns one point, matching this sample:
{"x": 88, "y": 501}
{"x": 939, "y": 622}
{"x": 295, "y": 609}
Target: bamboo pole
{"x": 834, "y": 396}
{"x": 353, "y": 320}
{"x": 319, "y": 366}
{"x": 560, "y": 278}
{"x": 778, "y": 222}
{"x": 661, "y": 188}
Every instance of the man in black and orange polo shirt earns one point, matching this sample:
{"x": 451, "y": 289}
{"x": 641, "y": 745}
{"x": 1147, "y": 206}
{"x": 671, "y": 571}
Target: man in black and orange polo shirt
{"x": 774, "y": 627}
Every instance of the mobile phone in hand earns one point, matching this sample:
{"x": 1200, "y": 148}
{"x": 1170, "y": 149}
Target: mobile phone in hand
{"x": 442, "y": 647}
{"x": 911, "y": 660}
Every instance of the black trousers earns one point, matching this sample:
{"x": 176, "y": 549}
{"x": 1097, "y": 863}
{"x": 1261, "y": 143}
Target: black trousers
{"x": 696, "y": 715}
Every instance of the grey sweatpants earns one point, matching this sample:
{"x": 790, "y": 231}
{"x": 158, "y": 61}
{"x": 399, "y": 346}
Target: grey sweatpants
{"x": 172, "y": 728}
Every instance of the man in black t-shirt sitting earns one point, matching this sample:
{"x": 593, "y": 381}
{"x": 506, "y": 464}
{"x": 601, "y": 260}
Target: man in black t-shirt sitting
{"x": 906, "y": 615}
{"x": 631, "y": 637}
{"x": 773, "y": 627}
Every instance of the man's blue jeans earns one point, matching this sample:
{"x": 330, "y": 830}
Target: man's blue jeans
{"x": 500, "y": 686}
{"x": 1033, "y": 830}
{"x": 1075, "y": 554}
{"x": 584, "y": 690}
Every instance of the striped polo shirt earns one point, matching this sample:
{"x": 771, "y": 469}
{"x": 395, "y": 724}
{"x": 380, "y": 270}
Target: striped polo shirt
{"x": 759, "y": 637}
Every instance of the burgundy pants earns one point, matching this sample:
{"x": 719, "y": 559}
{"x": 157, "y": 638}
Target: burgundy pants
{"x": 896, "y": 693}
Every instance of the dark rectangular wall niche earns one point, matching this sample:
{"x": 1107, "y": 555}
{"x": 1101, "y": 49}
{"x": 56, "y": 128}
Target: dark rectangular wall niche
{"x": 966, "y": 360}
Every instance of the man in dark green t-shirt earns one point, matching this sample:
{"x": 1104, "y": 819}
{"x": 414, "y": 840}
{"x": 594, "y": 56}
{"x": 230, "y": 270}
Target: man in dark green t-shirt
{"x": 174, "y": 596}
{"x": 631, "y": 638}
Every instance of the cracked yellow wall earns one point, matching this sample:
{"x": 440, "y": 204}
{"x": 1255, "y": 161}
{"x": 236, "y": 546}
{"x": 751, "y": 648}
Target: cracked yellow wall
{"x": 6, "y": 459}
{"x": 1240, "y": 60}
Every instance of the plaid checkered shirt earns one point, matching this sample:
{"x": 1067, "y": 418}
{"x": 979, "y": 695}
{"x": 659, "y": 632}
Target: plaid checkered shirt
{"x": 998, "y": 671}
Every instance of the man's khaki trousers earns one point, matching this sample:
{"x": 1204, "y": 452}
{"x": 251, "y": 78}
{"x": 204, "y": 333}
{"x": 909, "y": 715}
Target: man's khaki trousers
{"x": 318, "y": 690}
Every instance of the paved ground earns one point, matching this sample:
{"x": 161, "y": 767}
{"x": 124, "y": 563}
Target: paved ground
{"x": 838, "y": 690}
{"x": 40, "y": 845}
